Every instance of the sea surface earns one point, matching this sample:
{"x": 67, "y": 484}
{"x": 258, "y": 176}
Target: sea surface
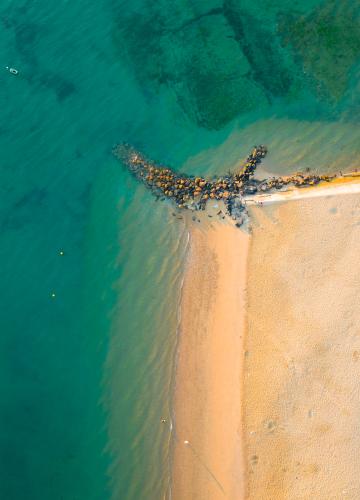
{"x": 91, "y": 263}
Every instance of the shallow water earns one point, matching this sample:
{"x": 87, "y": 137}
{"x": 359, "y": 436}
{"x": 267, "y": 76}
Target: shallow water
{"x": 86, "y": 375}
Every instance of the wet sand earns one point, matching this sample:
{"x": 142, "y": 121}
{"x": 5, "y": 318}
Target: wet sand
{"x": 302, "y": 364}
{"x": 209, "y": 367}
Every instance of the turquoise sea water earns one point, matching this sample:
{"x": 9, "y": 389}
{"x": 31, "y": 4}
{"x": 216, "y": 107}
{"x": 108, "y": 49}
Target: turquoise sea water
{"x": 86, "y": 375}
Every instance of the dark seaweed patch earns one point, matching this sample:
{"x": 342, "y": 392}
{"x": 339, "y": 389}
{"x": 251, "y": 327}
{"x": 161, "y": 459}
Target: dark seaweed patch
{"x": 327, "y": 42}
{"x": 23, "y": 210}
{"x": 267, "y": 67}
{"x": 197, "y": 57}
{"x": 35, "y": 197}
{"x": 62, "y": 87}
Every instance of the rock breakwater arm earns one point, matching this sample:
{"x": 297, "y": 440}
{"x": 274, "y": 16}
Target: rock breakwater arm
{"x": 194, "y": 192}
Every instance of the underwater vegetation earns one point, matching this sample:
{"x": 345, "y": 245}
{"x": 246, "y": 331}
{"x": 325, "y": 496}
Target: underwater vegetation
{"x": 268, "y": 67}
{"x": 214, "y": 60}
{"x": 222, "y": 59}
{"x": 327, "y": 42}
{"x": 196, "y": 56}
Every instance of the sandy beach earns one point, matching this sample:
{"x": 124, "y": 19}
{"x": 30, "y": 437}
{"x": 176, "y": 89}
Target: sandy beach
{"x": 267, "y": 397}
{"x": 209, "y": 367}
{"x": 302, "y": 366}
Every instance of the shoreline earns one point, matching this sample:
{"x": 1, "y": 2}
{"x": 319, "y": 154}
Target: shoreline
{"x": 208, "y": 448}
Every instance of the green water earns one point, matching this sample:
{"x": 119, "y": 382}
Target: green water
{"x": 86, "y": 376}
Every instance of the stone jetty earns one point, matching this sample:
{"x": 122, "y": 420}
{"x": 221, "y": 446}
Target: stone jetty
{"x": 191, "y": 192}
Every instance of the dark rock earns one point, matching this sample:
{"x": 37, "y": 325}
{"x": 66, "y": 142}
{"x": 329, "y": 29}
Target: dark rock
{"x": 250, "y": 189}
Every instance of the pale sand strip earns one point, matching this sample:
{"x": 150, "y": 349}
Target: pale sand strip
{"x": 209, "y": 370}
{"x": 341, "y": 186}
{"x": 302, "y": 366}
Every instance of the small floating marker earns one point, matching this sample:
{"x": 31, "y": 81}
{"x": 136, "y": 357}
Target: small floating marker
{"x": 61, "y": 252}
{"x": 53, "y": 295}
{"x": 13, "y": 71}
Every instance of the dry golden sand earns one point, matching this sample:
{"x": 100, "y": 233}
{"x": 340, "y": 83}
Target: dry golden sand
{"x": 275, "y": 414}
{"x": 209, "y": 368}
{"x": 302, "y": 365}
